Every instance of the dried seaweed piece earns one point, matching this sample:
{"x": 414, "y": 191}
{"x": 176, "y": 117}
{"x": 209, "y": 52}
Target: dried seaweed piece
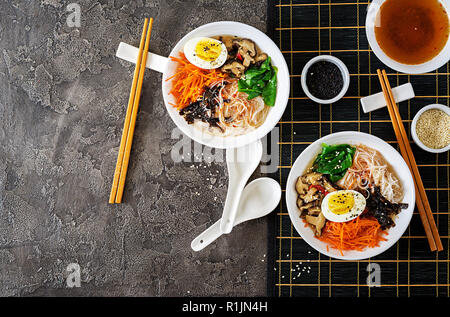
{"x": 205, "y": 108}
{"x": 382, "y": 209}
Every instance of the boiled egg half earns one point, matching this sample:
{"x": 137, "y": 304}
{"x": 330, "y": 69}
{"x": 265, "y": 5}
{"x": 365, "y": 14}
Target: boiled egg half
{"x": 343, "y": 205}
{"x": 205, "y": 52}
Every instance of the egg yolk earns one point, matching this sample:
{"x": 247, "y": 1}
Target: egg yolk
{"x": 208, "y": 50}
{"x": 341, "y": 203}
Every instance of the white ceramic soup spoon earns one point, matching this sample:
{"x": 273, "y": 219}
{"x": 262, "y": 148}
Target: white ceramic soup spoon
{"x": 258, "y": 199}
{"x": 241, "y": 163}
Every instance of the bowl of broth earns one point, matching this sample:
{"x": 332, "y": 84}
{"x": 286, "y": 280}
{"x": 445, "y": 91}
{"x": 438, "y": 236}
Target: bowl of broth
{"x": 410, "y": 36}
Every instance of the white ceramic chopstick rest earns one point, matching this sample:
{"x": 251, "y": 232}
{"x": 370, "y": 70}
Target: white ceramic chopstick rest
{"x": 377, "y": 101}
{"x": 259, "y": 199}
{"x": 241, "y": 163}
{"x": 130, "y": 53}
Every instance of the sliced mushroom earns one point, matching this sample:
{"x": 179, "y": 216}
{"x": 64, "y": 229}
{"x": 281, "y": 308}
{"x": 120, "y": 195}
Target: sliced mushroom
{"x": 261, "y": 58}
{"x": 312, "y": 178}
{"x": 301, "y": 187}
{"x": 228, "y": 41}
{"x": 314, "y": 211}
{"x": 247, "y": 50}
{"x": 248, "y": 60}
{"x": 328, "y": 186}
{"x": 310, "y": 196}
{"x": 246, "y": 46}
{"x": 318, "y": 222}
{"x": 299, "y": 202}
{"x": 306, "y": 207}
{"x": 234, "y": 67}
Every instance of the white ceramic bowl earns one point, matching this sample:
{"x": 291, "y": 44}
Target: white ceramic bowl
{"x": 394, "y": 159}
{"x": 435, "y": 63}
{"x": 342, "y": 68}
{"x": 416, "y": 139}
{"x": 266, "y": 45}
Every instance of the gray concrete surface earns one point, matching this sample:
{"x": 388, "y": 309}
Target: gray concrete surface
{"x": 62, "y": 103}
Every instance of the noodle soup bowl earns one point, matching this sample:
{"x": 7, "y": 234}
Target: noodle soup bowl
{"x": 397, "y": 164}
{"x": 169, "y": 67}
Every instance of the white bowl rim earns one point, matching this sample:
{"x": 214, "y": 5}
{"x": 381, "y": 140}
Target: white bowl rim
{"x": 283, "y": 87}
{"x": 345, "y": 76}
{"x": 390, "y": 155}
{"x": 414, "y": 135}
{"x": 437, "y": 62}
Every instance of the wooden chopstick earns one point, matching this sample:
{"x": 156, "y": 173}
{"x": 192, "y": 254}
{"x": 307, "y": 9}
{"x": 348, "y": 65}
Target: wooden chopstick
{"x": 126, "y": 125}
{"x": 416, "y": 173}
{"x": 129, "y": 142}
{"x": 405, "y": 148}
{"x": 420, "y": 206}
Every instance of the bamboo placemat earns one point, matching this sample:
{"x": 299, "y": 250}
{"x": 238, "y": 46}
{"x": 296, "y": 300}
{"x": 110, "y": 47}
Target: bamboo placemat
{"x": 306, "y": 28}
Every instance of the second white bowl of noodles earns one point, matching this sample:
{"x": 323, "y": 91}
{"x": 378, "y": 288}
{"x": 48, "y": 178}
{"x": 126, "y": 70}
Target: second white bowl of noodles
{"x": 396, "y": 163}
{"x": 267, "y": 46}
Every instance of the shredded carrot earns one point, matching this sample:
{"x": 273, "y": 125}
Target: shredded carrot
{"x": 358, "y": 234}
{"x": 189, "y": 81}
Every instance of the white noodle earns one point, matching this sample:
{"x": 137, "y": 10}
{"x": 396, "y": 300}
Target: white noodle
{"x": 369, "y": 167}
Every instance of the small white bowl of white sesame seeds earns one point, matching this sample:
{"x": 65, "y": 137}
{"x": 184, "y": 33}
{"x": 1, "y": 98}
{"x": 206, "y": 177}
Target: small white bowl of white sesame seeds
{"x": 430, "y": 128}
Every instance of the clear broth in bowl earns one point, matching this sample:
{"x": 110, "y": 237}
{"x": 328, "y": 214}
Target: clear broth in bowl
{"x": 412, "y": 31}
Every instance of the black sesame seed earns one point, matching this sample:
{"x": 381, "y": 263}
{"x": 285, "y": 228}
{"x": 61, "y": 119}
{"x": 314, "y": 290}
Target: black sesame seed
{"x": 324, "y": 80}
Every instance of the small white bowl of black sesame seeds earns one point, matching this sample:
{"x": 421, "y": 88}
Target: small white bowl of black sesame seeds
{"x": 325, "y": 79}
